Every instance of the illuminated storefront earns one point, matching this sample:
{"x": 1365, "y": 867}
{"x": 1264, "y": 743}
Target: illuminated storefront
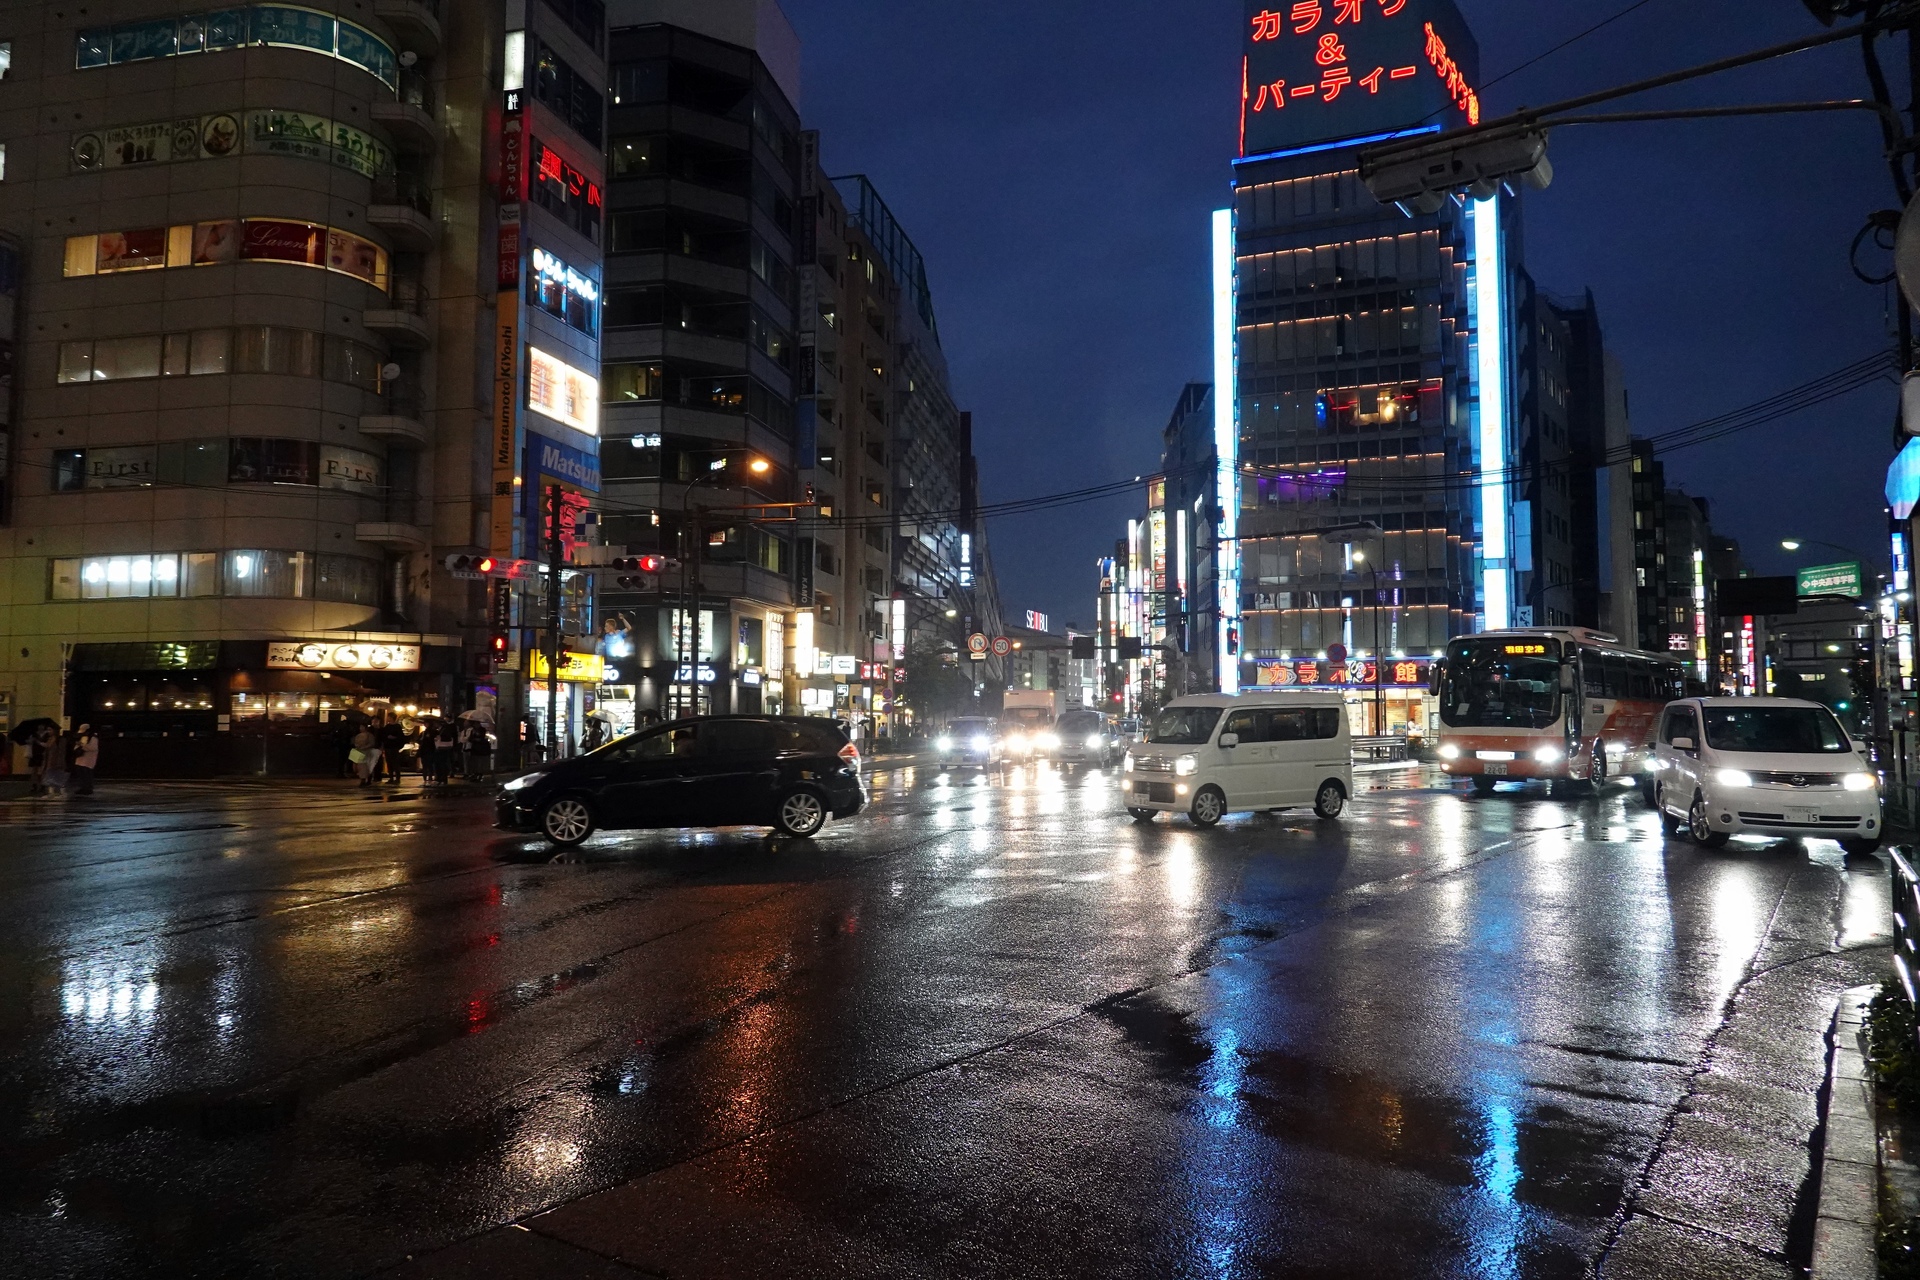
{"x": 1389, "y": 699}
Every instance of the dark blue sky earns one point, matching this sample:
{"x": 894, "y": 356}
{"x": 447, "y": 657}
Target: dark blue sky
{"x": 1056, "y": 163}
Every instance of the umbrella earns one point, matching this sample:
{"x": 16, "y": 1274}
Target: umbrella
{"x": 484, "y": 717}
{"x": 25, "y": 730}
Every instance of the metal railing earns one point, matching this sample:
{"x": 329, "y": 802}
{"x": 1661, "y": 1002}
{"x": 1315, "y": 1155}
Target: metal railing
{"x": 1906, "y": 918}
{"x": 1380, "y": 749}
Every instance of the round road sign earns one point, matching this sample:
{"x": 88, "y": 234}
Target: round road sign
{"x": 1002, "y": 646}
{"x": 976, "y": 643}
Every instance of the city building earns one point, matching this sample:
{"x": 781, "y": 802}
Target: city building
{"x": 1597, "y": 433}
{"x": 1688, "y": 605}
{"x": 1187, "y": 499}
{"x": 1372, "y": 358}
{"x": 274, "y": 363}
{"x": 1640, "y": 592}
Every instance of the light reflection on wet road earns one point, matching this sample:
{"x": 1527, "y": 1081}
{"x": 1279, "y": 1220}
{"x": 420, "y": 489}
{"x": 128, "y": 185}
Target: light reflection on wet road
{"x": 990, "y": 1028}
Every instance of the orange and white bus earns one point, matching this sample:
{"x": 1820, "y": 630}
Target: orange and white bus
{"x": 1564, "y": 703}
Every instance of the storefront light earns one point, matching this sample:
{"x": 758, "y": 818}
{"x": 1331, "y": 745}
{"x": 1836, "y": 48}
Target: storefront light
{"x": 96, "y": 571}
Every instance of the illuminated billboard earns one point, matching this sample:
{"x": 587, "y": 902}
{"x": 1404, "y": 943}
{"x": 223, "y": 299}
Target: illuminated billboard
{"x": 1322, "y": 71}
{"x": 562, "y": 392}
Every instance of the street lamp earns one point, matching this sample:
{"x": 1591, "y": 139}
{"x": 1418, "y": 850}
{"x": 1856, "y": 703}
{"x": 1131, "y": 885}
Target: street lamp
{"x": 1379, "y": 658}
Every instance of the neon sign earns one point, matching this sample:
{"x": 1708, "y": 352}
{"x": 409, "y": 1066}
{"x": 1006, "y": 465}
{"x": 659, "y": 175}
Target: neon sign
{"x": 1319, "y": 70}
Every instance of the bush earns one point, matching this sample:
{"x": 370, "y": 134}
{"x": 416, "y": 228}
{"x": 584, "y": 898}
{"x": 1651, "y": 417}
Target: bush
{"x": 1900, "y": 1251}
{"x": 1891, "y": 1029}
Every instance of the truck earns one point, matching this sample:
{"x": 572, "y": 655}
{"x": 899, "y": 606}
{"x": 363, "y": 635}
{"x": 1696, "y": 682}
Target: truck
{"x": 1026, "y": 719}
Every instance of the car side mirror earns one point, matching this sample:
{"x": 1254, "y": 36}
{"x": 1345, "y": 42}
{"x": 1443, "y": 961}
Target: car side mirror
{"x": 1229, "y": 739}
{"x": 1566, "y": 679}
{"x": 1683, "y": 744}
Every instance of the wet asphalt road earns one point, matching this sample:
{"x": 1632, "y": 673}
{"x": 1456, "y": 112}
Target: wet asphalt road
{"x": 990, "y": 1028}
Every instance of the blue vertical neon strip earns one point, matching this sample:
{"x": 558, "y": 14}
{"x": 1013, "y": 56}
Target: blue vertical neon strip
{"x": 1490, "y": 336}
{"x": 1226, "y": 447}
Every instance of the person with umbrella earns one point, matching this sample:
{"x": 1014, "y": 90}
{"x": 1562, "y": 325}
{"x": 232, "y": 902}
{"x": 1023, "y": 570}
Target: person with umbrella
{"x": 443, "y": 741}
{"x": 35, "y": 735}
{"x": 86, "y": 756}
{"x": 476, "y": 745}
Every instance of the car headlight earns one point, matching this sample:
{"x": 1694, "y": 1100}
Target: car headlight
{"x": 1047, "y": 741}
{"x": 522, "y": 782}
{"x": 943, "y": 742}
{"x": 1187, "y": 765}
{"x": 1859, "y": 782}
{"x": 1733, "y": 778}
{"x": 1449, "y": 752}
{"x": 1126, "y": 765}
{"x": 981, "y": 742}
{"x": 1094, "y": 743}
{"x": 1549, "y": 755}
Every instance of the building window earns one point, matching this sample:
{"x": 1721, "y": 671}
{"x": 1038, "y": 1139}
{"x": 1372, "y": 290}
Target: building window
{"x": 6, "y": 58}
{"x": 249, "y": 349}
{"x": 233, "y": 240}
{"x": 633, "y": 382}
{"x": 565, "y": 191}
{"x": 294, "y": 575}
{"x": 281, "y": 26}
{"x": 568, "y": 94}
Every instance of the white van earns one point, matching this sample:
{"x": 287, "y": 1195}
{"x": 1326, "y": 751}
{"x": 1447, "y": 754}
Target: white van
{"x": 1763, "y": 766}
{"x": 1212, "y": 754}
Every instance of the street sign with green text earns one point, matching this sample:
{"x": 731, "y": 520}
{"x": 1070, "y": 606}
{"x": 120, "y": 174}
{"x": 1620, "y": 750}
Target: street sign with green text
{"x": 1831, "y": 580}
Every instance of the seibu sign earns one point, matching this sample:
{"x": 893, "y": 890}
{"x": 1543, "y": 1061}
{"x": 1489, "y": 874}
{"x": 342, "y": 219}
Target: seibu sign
{"x": 319, "y": 655}
{"x": 1320, "y": 71}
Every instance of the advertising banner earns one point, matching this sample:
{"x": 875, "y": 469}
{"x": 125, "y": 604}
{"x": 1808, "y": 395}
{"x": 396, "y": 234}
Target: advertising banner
{"x": 506, "y": 377}
{"x": 321, "y": 655}
{"x": 575, "y": 668}
{"x": 562, "y": 392}
{"x": 271, "y": 131}
{"x": 550, "y": 462}
{"x": 1832, "y": 580}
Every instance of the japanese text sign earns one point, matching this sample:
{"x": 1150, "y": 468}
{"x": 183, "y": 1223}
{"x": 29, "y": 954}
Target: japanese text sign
{"x": 1319, "y": 71}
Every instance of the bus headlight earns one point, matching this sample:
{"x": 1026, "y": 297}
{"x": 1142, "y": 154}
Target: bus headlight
{"x": 1449, "y": 752}
{"x": 1187, "y": 765}
{"x": 1859, "y": 782}
{"x": 1549, "y": 755}
{"x": 944, "y": 743}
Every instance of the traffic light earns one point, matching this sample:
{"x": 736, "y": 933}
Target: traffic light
{"x": 1130, "y": 648}
{"x": 497, "y": 645}
{"x": 1422, "y": 177}
{"x": 1083, "y": 647}
{"x": 641, "y": 573}
{"x": 467, "y": 566}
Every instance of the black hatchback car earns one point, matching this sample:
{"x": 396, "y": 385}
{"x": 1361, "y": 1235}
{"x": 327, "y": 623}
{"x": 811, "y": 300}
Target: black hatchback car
{"x": 780, "y": 771}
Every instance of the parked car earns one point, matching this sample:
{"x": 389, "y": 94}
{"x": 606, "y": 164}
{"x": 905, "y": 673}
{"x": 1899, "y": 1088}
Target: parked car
{"x": 1768, "y": 766}
{"x": 1213, "y": 754}
{"x": 784, "y": 772}
{"x": 1087, "y": 737}
{"x": 971, "y": 740}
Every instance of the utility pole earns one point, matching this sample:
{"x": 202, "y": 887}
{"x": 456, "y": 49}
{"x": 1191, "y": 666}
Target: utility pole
{"x": 554, "y": 550}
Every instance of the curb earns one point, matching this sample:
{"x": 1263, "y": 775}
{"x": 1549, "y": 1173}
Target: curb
{"x": 1845, "y": 1230}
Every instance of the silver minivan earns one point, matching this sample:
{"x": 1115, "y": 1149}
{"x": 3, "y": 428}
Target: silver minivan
{"x": 1763, "y": 766}
{"x": 1212, "y": 754}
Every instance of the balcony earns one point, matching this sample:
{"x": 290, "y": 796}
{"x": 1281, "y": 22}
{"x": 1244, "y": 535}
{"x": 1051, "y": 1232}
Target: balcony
{"x": 402, "y": 206}
{"x": 404, "y": 323}
{"x": 415, "y": 22}
{"x": 410, "y": 118}
{"x": 400, "y": 428}
{"x": 392, "y": 535}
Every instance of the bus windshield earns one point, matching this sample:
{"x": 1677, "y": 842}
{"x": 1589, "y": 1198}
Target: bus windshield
{"x": 1502, "y": 683}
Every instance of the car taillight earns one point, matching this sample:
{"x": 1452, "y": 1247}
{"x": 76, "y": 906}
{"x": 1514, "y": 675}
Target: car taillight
{"x": 851, "y": 754}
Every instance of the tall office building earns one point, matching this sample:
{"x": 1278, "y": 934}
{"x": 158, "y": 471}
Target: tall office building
{"x": 700, "y": 353}
{"x": 256, "y": 359}
{"x": 1370, "y": 360}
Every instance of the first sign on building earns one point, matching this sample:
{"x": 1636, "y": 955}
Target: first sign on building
{"x": 320, "y": 655}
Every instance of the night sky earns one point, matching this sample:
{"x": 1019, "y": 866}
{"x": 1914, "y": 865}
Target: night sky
{"x": 1056, "y": 163}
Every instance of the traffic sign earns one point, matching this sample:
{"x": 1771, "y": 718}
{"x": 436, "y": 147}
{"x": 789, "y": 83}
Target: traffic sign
{"x": 1336, "y": 653}
{"x": 1002, "y": 646}
{"x": 900, "y": 676}
{"x": 976, "y": 643}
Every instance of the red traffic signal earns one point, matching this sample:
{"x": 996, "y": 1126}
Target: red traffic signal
{"x": 497, "y": 645}
{"x": 646, "y": 564}
{"x": 466, "y": 566}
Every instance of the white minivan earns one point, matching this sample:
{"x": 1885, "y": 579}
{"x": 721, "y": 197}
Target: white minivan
{"x": 1212, "y": 754}
{"x": 1763, "y": 766}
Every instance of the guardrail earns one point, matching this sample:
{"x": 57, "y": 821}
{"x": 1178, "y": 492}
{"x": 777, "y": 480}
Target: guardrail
{"x": 1387, "y": 749}
{"x": 1906, "y": 918}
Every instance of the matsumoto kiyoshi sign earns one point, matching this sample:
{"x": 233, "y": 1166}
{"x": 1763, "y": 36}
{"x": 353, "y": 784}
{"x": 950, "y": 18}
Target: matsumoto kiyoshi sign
{"x": 1832, "y": 580}
{"x": 550, "y": 460}
{"x": 1322, "y": 70}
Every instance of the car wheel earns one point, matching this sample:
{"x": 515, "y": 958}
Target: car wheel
{"x": 1141, "y": 815}
{"x": 802, "y": 814}
{"x": 567, "y": 821}
{"x": 1483, "y": 786}
{"x": 1700, "y": 828}
{"x": 1208, "y": 807}
{"x": 1597, "y": 769}
{"x": 1331, "y": 802}
{"x": 1860, "y": 846}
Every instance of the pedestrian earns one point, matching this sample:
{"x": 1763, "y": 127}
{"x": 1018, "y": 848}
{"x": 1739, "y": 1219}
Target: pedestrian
{"x": 596, "y": 734}
{"x": 393, "y": 741}
{"x": 54, "y": 772}
{"x": 479, "y": 750}
{"x": 364, "y": 753}
{"x": 86, "y": 755}
{"x": 37, "y": 755}
{"x": 446, "y": 742}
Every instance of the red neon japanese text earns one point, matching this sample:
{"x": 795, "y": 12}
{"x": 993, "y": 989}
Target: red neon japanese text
{"x": 1266, "y": 25}
{"x": 1449, "y": 71}
{"x": 1306, "y": 16}
{"x": 1346, "y": 11}
{"x": 1330, "y": 51}
{"x": 1336, "y": 79}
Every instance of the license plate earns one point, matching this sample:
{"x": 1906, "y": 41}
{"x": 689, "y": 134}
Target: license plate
{"x": 1810, "y": 817}
{"x": 1494, "y": 770}
{"x": 1142, "y": 788}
